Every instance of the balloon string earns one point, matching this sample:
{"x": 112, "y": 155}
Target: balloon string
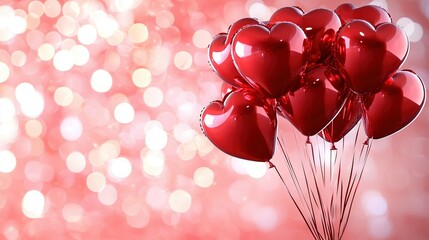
{"x": 309, "y": 222}
{"x": 367, "y": 144}
{"x": 293, "y": 199}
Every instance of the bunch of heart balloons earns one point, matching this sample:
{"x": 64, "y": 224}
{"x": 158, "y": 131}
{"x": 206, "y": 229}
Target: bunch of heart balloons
{"x": 322, "y": 70}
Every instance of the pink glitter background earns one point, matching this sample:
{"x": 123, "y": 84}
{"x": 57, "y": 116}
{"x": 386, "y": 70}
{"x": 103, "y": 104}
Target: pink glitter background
{"x": 100, "y": 138}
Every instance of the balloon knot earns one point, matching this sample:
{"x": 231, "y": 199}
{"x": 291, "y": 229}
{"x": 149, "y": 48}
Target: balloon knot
{"x": 271, "y": 165}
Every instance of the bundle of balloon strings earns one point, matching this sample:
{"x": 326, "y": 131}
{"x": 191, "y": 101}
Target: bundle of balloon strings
{"x": 335, "y": 77}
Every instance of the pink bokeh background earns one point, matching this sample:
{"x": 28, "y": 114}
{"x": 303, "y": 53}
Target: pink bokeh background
{"x": 100, "y": 136}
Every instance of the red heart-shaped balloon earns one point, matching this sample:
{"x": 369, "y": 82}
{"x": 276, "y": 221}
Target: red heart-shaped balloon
{"x": 316, "y": 100}
{"x": 370, "y": 13}
{"x": 319, "y": 25}
{"x": 269, "y": 59}
{"x": 399, "y": 102}
{"x": 219, "y": 53}
{"x": 346, "y": 119}
{"x": 244, "y": 125}
{"x": 368, "y": 55}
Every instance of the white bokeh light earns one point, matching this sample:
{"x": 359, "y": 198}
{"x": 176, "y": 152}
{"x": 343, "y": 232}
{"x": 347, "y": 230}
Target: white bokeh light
{"x": 71, "y": 128}
{"x": 108, "y": 195}
{"x": 203, "y": 177}
{"x": 374, "y": 203}
{"x": 7, "y": 161}
{"x": 153, "y": 97}
{"x": 30, "y": 100}
{"x": 63, "y": 60}
{"x": 156, "y": 138}
{"x": 120, "y": 167}
{"x": 96, "y": 181}
{"x": 7, "y": 110}
{"x": 33, "y": 204}
{"x": 180, "y": 201}
{"x": 87, "y": 34}
{"x": 101, "y": 81}
{"x": 124, "y": 113}
{"x": 75, "y": 162}
{"x": 153, "y": 162}
{"x": 4, "y": 72}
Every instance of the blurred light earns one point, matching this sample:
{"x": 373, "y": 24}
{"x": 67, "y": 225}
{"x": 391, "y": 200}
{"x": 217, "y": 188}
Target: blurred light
{"x": 380, "y": 3}
{"x": 153, "y": 97}
{"x": 33, "y": 128}
{"x": 72, "y": 212}
{"x": 52, "y": 8}
{"x": 131, "y": 205}
{"x": 124, "y": 113}
{"x": 142, "y": 77}
{"x": 140, "y": 220}
{"x": 71, "y": 9}
{"x": 153, "y": 162}
{"x": 7, "y": 110}
{"x": 101, "y": 81}
{"x": 18, "y": 58}
{"x": 260, "y": 11}
{"x": 164, "y": 19}
{"x": 183, "y": 60}
{"x": 31, "y": 101}
{"x": 4, "y": 72}
{"x": 33, "y": 204}
{"x": 203, "y": 177}
{"x": 17, "y": 25}
{"x": 108, "y": 195}
{"x": 380, "y": 228}
{"x": 138, "y": 33}
{"x": 71, "y": 128}
{"x": 252, "y": 168}
{"x": 96, "y": 181}
{"x": 413, "y": 30}
{"x": 180, "y": 201}
{"x": 75, "y": 162}
{"x": 124, "y": 5}
{"x": 87, "y": 34}
{"x": 63, "y": 60}
{"x": 120, "y": 167}
{"x": 201, "y": 38}
{"x": 7, "y": 161}
{"x": 374, "y": 203}
{"x": 63, "y": 96}
{"x": 156, "y": 138}
{"x": 10, "y": 232}
{"x": 67, "y": 26}
{"x": 46, "y": 52}
{"x": 37, "y": 8}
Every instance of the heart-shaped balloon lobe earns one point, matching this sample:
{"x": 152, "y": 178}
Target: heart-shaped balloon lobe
{"x": 399, "y": 102}
{"x": 269, "y": 59}
{"x": 244, "y": 125}
{"x": 368, "y": 55}
{"x": 375, "y": 15}
{"x": 219, "y": 53}
{"x": 346, "y": 119}
{"x": 319, "y": 25}
{"x": 316, "y": 100}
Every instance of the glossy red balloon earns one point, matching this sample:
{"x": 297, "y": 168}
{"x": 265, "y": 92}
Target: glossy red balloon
{"x": 319, "y": 25}
{"x": 399, "y": 102}
{"x": 368, "y": 55}
{"x": 346, "y": 119}
{"x": 370, "y": 13}
{"x": 244, "y": 125}
{"x": 269, "y": 59}
{"x": 219, "y": 53}
{"x": 316, "y": 100}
